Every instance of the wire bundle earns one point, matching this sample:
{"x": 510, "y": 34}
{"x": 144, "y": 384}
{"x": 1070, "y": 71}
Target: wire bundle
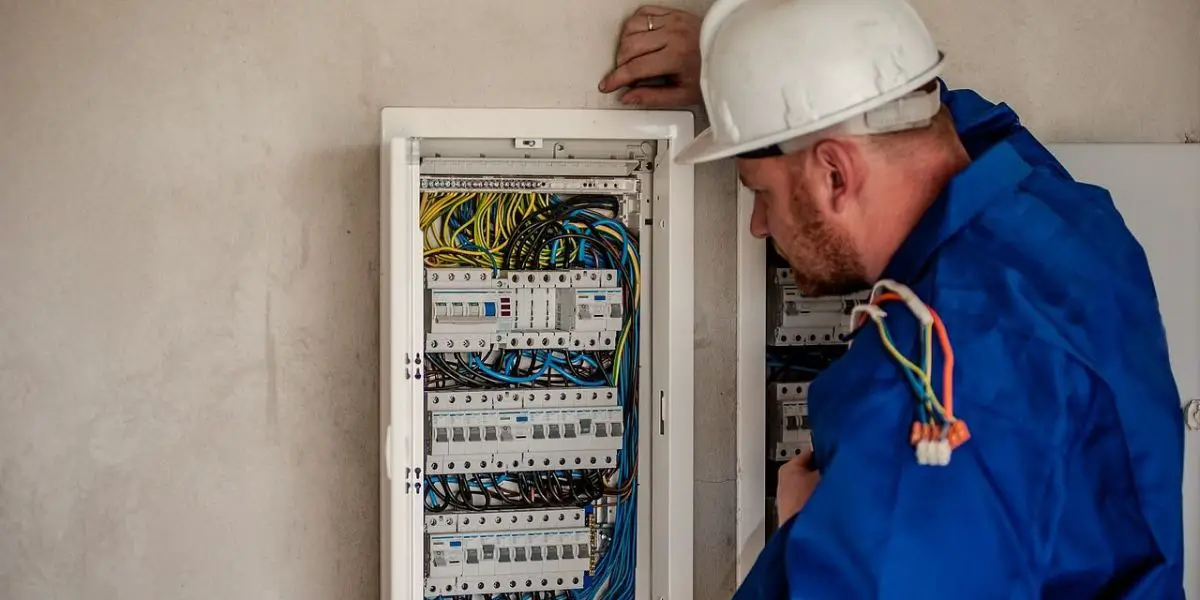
{"x": 936, "y": 432}
{"x": 800, "y": 363}
{"x": 519, "y": 368}
{"x": 469, "y": 229}
{"x": 522, "y": 231}
{"x": 485, "y": 491}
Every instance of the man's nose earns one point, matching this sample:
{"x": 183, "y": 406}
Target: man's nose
{"x": 758, "y": 220}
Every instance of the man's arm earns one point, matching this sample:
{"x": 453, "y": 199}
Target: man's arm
{"x": 881, "y": 526}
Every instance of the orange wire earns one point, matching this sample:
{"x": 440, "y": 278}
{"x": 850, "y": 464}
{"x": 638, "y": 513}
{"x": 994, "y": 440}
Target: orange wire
{"x": 948, "y": 368}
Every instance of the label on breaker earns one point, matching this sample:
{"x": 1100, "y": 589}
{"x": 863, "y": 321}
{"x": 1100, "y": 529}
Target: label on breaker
{"x": 515, "y": 561}
{"x": 523, "y": 440}
{"x": 500, "y": 399}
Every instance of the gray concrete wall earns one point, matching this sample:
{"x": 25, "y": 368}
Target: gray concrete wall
{"x": 188, "y": 274}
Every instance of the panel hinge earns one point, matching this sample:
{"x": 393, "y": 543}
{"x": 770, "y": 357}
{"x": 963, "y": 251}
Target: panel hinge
{"x": 1191, "y": 412}
{"x": 413, "y": 480}
{"x": 412, "y": 369}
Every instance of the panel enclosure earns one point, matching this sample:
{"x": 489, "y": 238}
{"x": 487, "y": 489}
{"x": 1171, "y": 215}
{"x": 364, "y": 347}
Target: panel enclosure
{"x": 536, "y": 349}
{"x": 1154, "y": 187}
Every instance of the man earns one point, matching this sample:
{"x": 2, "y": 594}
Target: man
{"x": 865, "y": 169}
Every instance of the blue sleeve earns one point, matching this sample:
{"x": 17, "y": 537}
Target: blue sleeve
{"x": 881, "y": 526}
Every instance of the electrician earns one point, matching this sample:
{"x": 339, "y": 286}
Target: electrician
{"x": 865, "y": 168}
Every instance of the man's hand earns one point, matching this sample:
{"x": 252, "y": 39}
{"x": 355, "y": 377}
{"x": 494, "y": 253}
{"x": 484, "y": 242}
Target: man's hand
{"x": 655, "y": 43}
{"x": 797, "y": 481}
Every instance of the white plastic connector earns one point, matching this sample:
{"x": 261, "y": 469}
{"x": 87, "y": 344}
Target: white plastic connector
{"x": 933, "y": 453}
{"x": 942, "y": 453}
{"x": 914, "y": 303}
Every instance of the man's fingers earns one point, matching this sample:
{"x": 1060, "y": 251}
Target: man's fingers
{"x": 642, "y": 67}
{"x": 640, "y": 44}
{"x": 652, "y": 10}
{"x": 660, "y": 97}
{"x": 640, "y": 21}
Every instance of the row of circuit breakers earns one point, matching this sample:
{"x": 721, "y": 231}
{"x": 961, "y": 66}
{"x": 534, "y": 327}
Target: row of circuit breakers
{"x": 795, "y": 320}
{"x": 515, "y": 551}
{"x": 471, "y": 310}
{"x": 514, "y": 430}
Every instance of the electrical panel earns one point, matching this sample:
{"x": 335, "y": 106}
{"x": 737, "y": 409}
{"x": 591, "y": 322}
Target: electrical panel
{"x": 803, "y": 336}
{"x": 540, "y": 416}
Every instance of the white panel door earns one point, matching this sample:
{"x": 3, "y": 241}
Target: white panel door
{"x": 1157, "y": 189}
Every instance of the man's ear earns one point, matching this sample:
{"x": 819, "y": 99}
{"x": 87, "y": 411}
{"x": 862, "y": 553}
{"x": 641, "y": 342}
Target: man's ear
{"x": 837, "y": 171}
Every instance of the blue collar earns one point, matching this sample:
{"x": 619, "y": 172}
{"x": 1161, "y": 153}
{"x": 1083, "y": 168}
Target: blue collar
{"x": 996, "y": 169}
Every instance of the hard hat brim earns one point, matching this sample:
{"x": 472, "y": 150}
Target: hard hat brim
{"x": 705, "y": 148}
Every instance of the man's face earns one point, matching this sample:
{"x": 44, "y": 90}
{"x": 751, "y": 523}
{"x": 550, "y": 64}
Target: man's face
{"x": 795, "y": 210}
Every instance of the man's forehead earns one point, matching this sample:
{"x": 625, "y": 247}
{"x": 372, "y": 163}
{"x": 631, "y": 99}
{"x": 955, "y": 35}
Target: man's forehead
{"x": 751, "y": 171}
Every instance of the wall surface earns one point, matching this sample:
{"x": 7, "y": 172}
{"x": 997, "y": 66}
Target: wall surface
{"x": 188, "y": 272}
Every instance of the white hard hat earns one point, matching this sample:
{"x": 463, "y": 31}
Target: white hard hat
{"x": 785, "y": 71}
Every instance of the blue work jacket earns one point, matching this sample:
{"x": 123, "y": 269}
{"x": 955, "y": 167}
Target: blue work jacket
{"x": 1069, "y": 487}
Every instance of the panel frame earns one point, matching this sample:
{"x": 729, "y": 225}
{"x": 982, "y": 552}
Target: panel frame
{"x": 666, "y": 433}
{"x": 751, "y": 486}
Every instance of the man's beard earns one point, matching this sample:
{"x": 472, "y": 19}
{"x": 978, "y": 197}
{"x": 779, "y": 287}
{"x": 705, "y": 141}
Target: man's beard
{"x": 832, "y": 267}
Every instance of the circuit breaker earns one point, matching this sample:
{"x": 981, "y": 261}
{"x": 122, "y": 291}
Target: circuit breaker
{"x": 787, "y": 417}
{"x": 799, "y": 320}
{"x": 537, "y": 333}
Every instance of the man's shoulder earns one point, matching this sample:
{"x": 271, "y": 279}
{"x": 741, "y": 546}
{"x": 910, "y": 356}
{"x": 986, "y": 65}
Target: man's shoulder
{"x": 1053, "y": 268}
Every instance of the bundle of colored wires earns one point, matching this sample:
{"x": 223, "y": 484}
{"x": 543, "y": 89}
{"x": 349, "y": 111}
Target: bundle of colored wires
{"x": 522, "y": 490}
{"x": 936, "y": 432}
{"x": 799, "y": 363}
{"x": 471, "y": 229}
{"x": 519, "y": 368}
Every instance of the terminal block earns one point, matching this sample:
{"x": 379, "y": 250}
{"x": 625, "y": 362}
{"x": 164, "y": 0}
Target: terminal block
{"x": 505, "y": 520}
{"x": 504, "y": 398}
